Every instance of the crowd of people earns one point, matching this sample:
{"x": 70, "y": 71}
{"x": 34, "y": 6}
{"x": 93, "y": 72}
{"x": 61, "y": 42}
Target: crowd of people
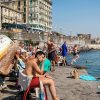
{"x": 34, "y": 59}
{"x": 37, "y": 61}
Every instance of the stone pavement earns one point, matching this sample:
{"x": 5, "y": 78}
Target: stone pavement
{"x": 67, "y": 88}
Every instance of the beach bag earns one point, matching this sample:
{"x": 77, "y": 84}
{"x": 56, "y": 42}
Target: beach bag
{"x": 75, "y": 74}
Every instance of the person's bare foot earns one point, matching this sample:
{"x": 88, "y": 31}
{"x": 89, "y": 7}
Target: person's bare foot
{"x": 53, "y": 70}
{"x": 57, "y": 98}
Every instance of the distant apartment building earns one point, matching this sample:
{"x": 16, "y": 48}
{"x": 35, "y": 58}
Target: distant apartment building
{"x": 37, "y": 14}
{"x": 21, "y": 6}
{"x": 40, "y": 15}
{"x": 9, "y": 15}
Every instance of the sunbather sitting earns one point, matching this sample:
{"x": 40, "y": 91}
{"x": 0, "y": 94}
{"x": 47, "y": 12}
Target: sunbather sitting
{"x": 32, "y": 67}
{"x": 45, "y": 65}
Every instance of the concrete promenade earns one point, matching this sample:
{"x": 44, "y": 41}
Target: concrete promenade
{"x": 67, "y": 88}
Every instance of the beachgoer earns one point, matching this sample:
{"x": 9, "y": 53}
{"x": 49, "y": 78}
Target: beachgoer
{"x": 45, "y": 65}
{"x": 32, "y": 67}
{"x": 51, "y": 52}
{"x": 75, "y": 54}
{"x": 64, "y": 53}
{"x": 30, "y": 47}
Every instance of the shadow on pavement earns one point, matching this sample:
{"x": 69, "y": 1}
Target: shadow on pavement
{"x": 9, "y": 98}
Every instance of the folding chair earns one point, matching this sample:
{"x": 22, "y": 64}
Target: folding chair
{"x": 25, "y": 82}
{"x": 20, "y": 64}
{"x": 34, "y": 84}
{"x": 22, "y": 84}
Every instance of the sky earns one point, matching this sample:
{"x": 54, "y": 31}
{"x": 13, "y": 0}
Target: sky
{"x": 71, "y": 17}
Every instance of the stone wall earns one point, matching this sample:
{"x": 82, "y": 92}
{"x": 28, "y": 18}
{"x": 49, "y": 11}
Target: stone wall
{"x": 94, "y": 46}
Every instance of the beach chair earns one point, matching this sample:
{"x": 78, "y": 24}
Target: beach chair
{"x": 20, "y": 64}
{"x": 34, "y": 84}
{"x": 27, "y": 84}
{"x": 21, "y": 67}
{"x": 22, "y": 83}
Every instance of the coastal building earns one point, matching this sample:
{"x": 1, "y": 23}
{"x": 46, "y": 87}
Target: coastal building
{"x": 84, "y": 37}
{"x": 37, "y": 14}
{"x": 40, "y": 15}
{"x": 87, "y": 36}
{"x": 21, "y": 6}
{"x": 9, "y": 15}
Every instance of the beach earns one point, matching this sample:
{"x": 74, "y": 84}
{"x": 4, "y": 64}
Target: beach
{"x": 67, "y": 88}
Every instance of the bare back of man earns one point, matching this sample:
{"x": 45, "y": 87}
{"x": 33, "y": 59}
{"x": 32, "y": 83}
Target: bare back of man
{"x": 32, "y": 68}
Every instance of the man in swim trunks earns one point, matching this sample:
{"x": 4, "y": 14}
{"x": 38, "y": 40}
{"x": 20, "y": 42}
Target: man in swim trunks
{"x": 32, "y": 67}
{"x": 51, "y": 52}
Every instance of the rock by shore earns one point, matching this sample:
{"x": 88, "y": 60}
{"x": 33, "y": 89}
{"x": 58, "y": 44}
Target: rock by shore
{"x": 67, "y": 88}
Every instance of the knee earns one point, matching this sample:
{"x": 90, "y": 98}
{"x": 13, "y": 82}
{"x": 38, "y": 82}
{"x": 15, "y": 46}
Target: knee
{"x": 51, "y": 82}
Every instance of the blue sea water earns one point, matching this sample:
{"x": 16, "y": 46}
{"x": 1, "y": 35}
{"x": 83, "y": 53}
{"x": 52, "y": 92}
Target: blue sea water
{"x": 90, "y": 59}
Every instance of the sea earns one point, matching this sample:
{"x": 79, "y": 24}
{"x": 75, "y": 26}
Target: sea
{"x": 90, "y": 59}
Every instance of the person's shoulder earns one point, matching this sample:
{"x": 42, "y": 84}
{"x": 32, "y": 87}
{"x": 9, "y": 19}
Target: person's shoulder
{"x": 47, "y": 60}
{"x": 30, "y": 62}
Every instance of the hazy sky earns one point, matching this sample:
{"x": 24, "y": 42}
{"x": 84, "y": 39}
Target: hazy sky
{"x": 77, "y": 16}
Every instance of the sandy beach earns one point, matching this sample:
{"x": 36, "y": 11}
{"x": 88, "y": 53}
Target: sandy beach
{"x": 67, "y": 88}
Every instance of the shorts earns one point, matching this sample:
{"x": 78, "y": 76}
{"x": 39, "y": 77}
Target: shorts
{"x": 51, "y": 55}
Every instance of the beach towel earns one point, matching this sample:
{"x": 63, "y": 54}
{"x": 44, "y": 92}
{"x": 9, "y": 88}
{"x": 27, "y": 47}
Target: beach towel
{"x": 23, "y": 81}
{"x": 87, "y": 77}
